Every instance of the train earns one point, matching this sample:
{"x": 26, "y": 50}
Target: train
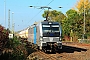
{"x": 23, "y": 34}
{"x": 47, "y": 35}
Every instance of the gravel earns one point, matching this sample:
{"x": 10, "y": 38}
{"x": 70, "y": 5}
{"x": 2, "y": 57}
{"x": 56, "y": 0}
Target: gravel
{"x": 70, "y": 51}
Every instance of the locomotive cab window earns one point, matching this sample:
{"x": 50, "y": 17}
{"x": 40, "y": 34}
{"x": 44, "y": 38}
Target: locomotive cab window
{"x": 50, "y": 28}
{"x": 55, "y": 28}
{"x": 46, "y": 28}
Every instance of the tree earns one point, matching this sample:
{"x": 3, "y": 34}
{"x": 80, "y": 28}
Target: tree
{"x": 54, "y": 15}
{"x": 73, "y": 22}
{"x": 83, "y": 4}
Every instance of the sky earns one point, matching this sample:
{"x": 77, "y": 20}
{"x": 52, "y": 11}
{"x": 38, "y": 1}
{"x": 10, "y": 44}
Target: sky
{"x": 23, "y": 16}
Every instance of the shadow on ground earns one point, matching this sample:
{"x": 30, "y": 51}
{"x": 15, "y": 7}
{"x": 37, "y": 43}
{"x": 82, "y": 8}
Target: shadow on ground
{"x": 71, "y": 49}
{"x": 68, "y": 49}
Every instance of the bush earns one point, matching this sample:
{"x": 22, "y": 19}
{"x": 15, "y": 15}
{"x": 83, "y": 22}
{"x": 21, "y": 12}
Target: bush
{"x": 3, "y": 38}
{"x": 18, "y": 50}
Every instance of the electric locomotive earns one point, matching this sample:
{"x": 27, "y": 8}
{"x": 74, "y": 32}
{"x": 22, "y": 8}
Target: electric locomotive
{"x": 47, "y": 35}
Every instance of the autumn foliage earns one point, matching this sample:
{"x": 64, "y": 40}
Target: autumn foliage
{"x": 83, "y": 4}
{"x": 11, "y": 49}
{"x": 3, "y": 37}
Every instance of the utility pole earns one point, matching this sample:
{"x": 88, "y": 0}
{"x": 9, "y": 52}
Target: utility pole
{"x": 12, "y": 23}
{"x": 9, "y": 19}
{"x": 84, "y": 22}
{"x": 13, "y": 28}
{"x": 5, "y": 12}
{"x": 59, "y": 15}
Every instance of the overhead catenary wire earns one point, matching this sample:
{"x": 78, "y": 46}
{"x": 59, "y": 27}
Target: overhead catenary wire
{"x": 34, "y": 16}
{"x": 50, "y": 2}
{"x": 39, "y": 12}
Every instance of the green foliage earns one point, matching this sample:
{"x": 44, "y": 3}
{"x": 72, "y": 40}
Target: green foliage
{"x": 16, "y": 42}
{"x": 18, "y": 50}
{"x": 45, "y": 14}
{"x": 72, "y": 21}
{"x": 54, "y": 15}
{"x": 19, "y": 53}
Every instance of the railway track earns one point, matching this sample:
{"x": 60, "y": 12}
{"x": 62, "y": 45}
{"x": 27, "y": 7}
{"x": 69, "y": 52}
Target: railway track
{"x": 47, "y": 56}
{"x": 67, "y": 53}
{"x": 39, "y": 55}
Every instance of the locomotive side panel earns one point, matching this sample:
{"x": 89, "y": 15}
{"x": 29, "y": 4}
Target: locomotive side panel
{"x": 38, "y": 36}
{"x": 30, "y": 35}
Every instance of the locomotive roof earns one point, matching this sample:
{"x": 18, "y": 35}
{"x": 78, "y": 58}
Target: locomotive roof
{"x": 47, "y": 22}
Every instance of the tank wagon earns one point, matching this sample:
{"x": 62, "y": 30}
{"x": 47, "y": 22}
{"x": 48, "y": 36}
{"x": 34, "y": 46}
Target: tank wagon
{"x": 23, "y": 34}
{"x": 47, "y": 35}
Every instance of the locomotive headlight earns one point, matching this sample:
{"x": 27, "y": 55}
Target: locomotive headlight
{"x": 41, "y": 38}
{"x": 50, "y": 23}
{"x": 60, "y": 39}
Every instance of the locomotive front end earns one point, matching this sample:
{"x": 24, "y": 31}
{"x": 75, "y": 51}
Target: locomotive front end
{"x": 50, "y": 36}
